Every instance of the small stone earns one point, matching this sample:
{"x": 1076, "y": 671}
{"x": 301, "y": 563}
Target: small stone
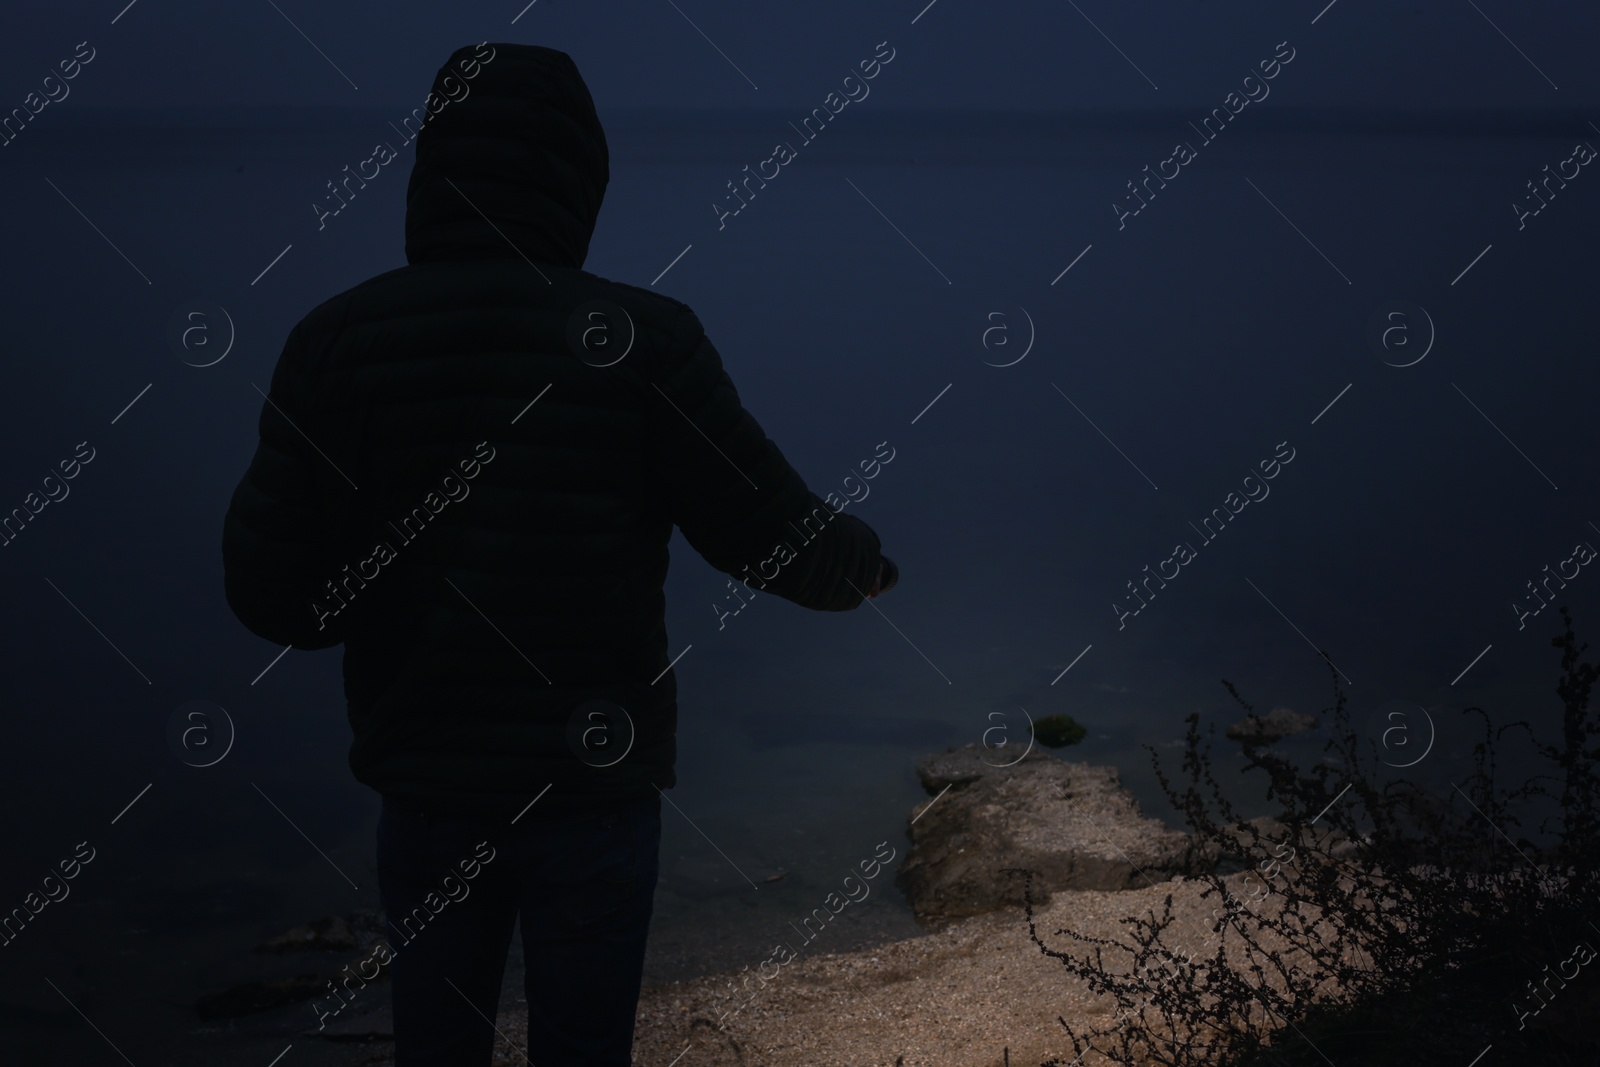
{"x": 328, "y": 934}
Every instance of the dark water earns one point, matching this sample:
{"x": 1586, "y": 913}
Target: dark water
{"x": 1172, "y": 358}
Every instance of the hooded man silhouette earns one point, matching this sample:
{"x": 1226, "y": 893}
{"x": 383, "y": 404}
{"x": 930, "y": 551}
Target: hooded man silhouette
{"x": 468, "y": 473}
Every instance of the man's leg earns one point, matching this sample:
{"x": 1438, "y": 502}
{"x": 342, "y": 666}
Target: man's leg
{"x": 585, "y": 914}
{"x": 449, "y": 954}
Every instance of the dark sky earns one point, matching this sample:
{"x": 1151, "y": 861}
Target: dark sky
{"x": 958, "y": 54}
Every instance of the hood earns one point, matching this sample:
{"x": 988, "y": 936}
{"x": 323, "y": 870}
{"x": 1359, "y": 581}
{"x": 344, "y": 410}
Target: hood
{"x": 511, "y": 160}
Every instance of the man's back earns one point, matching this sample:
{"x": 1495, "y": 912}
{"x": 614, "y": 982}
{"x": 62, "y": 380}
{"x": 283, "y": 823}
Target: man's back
{"x": 470, "y": 468}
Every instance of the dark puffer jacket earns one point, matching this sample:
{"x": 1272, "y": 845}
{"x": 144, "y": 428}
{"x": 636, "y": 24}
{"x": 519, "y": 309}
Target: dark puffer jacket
{"x": 470, "y": 467}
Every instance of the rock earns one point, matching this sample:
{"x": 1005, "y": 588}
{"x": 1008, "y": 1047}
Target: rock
{"x": 960, "y": 766}
{"x": 362, "y": 928}
{"x": 377, "y": 1025}
{"x": 253, "y": 997}
{"x": 1278, "y": 723}
{"x": 329, "y": 934}
{"x": 1058, "y": 731}
{"x": 1073, "y": 824}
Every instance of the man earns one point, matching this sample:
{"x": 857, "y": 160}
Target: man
{"x": 468, "y": 474}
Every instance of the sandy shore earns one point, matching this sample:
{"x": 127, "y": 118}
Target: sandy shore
{"x": 965, "y": 996}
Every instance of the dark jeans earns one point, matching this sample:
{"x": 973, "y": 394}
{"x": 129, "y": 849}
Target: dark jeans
{"x": 583, "y": 887}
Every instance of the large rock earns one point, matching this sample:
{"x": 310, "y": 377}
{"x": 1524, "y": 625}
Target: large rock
{"x": 1073, "y": 824}
{"x": 962, "y": 766}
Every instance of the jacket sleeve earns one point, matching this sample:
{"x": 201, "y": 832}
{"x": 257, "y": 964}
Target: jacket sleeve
{"x": 276, "y": 539}
{"x": 739, "y": 503}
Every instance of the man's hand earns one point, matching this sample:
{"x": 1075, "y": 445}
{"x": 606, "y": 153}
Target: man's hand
{"x": 886, "y": 569}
